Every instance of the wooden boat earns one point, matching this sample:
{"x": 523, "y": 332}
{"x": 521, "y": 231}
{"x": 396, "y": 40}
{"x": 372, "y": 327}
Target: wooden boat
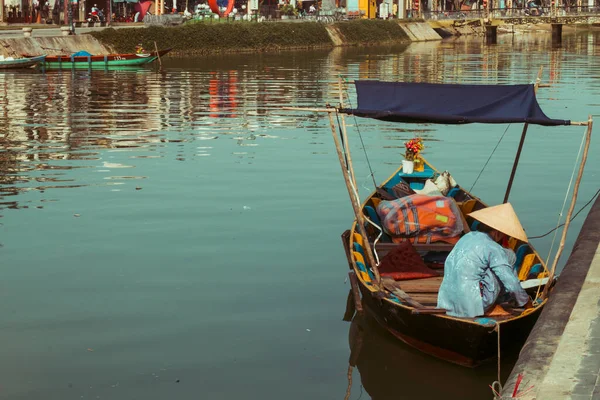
{"x": 102, "y": 60}
{"x": 25, "y": 62}
{"x": 408, "y": 308}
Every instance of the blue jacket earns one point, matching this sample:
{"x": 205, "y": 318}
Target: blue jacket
{"x": 476, "y": 271}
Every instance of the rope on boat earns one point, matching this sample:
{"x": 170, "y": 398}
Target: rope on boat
{"x": 360, "y": 136}
{"x": 355, "y": 189}
{"x": 560, "y": 215}
{"x": 489, "y": 158}
{"x": 576, "y": 214}
{"x": 497, "y": 385}
{"x": 349, "y": 388}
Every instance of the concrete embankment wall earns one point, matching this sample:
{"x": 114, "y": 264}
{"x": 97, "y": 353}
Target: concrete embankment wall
{"x": 446, "y": 28}
{"x": 561, "y": 358}
{"x": 222, "y": 38}
{"x": 419, "y": 31}
{"x": 15, "y": 47}
{"x": 203, "y": 38}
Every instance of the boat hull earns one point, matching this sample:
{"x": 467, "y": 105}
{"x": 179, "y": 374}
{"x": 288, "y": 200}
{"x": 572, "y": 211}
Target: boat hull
{"x": 454, "y": 340}
{"x": 22, "y": 62}
{"x": 102, "y": 61}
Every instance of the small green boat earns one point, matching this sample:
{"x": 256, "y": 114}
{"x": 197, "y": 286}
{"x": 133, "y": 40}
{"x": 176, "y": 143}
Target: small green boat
{"x": 83, "y": 60}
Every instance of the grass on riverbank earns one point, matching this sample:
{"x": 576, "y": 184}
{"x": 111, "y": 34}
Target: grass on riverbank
{"x": 201, "y": 38}
{"x": 370, "y": 31}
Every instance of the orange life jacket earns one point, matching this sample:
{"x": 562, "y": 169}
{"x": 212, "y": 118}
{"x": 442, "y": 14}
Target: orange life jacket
{"x": 421, "y": 219}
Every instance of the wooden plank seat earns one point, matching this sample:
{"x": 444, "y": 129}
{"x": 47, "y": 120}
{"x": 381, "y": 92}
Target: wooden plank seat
{"x": 420, "y": 293}
{"x": 424, "y": 292}
{"x": 425, "y": 285}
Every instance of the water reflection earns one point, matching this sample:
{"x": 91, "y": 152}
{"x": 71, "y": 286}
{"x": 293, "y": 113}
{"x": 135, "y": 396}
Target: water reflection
{"x": 181, "y": 182}
{"x": 390, "y": 370}
{"x": 66, "y": 120}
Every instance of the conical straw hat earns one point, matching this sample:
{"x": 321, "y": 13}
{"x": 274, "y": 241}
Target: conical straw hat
{"x": 502, "y": 218}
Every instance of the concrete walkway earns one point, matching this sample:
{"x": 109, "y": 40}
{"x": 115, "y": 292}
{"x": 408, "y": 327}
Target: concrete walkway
{"x": 561, "y": 358}
{"x": 15, "y": 31}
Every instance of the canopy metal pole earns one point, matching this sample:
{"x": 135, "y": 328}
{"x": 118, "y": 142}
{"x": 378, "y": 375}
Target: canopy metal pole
{"x": 588, "y": 136}
{"x": 516, "y": 163}
{"x": 360, "y": 220}
{"x": 514, "y": 168}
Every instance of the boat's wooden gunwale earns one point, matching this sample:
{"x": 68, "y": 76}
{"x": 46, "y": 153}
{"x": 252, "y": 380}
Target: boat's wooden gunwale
{"x": 373, "y": 290}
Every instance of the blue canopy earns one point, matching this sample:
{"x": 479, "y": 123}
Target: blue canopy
{"x": 81, "y": 53}
{"x": 449, "y": 103}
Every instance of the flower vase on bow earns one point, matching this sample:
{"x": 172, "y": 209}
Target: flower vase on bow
{"x": 419, "y": 165}
{"x": 408, "y": 166}
{"x": 411, "y": 161}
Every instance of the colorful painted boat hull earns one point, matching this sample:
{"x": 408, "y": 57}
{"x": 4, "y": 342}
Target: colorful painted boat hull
{"x": 102, "y": 61}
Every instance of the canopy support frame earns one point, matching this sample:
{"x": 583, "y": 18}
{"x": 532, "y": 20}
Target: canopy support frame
{"x": 523, "y": 134}
{"x": 515, "y": 164}
{"x": 360, "y": 219}
{"x": 588, "y": 136}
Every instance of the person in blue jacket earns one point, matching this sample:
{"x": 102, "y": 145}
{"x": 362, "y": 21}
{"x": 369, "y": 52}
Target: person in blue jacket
{"x": 478, "y": 270}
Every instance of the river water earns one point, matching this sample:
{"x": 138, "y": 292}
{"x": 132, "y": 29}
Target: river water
{"x": 176, "y": 235}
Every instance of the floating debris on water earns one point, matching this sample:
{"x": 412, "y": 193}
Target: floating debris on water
{"x": 115, "y": 165}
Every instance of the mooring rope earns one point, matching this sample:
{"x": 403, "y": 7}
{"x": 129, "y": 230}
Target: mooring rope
{"x": 362, "y": 143}
{"x": 497, "y": 385}
{"x": 561, "y": 212}
{"x": 560, "y": 215}
{"x": 349, "y": 388}
{"x": 489, "y": 158}
{"x": 572, "y": 218}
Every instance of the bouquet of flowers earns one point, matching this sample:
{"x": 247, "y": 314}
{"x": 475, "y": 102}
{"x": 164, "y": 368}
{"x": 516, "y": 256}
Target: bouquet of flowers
{"x": 413, "y": 148}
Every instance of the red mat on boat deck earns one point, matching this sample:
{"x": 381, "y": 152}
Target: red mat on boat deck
{"x": 404, "y": 263}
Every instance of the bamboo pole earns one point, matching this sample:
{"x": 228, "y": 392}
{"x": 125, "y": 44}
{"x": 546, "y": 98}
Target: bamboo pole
{"x": 345, "y": 136}
{"x": 360, "y": 220}
{"x": 523, "y": 134}
{"x": 516, "y": 163}
{"x": 323, "y": 110}
{"x": 571, "y": 207}
{"x": 158, "y": 55}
